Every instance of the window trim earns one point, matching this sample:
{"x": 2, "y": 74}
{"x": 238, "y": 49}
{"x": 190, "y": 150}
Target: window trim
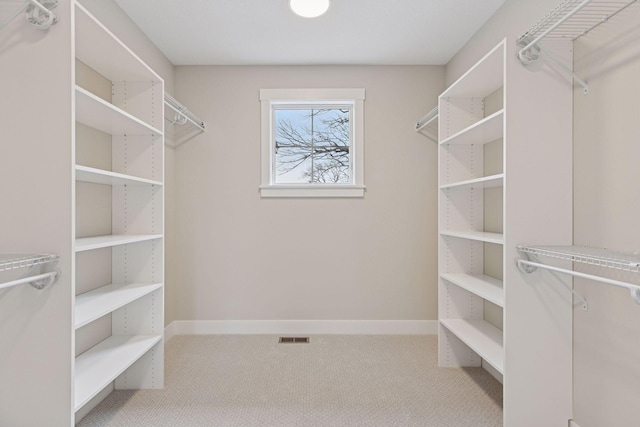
{"x": 268, "y": 97}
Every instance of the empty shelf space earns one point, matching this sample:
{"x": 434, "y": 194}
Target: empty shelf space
{"x": 485, "y": 287}
{"x": 484, "y": 78}
{"x": 484, "y": 131}
{"x": 106, "y": 299}
{"x": 99, "y": 176}
{"x": 102, "y": 364}
{"x": 481, "y": 236}
{"x": 97, "y": 47}
{"x": 100, "y": 114}
{"x": 484, "y": 182}
{"x": 97, "y": 242}
{"x": 481, "y": 336}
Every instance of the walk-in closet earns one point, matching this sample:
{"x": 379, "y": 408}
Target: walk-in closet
{"x": 319, "y": 213}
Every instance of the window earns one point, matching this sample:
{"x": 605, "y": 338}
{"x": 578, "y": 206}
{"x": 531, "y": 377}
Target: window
{"x": 312, "y": 143}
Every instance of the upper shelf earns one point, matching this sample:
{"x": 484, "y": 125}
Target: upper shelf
{"x": 569, "y": 21}
{"x": 482, "y": 79}
{"x": 491, "y": 181}
{"x": 573, "y": 19}
{"x": 98, "y": 242}
{"x": 484, "y": 131}
{"x": 99, "y": 176}
{"x": 100, "y": 114}
{"x": 101, "y": 50}
{"x": 14, "y": 261}
{"x": 586, "y": 255}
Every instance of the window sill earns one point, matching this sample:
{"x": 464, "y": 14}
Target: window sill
{"x": 326, "y": 191}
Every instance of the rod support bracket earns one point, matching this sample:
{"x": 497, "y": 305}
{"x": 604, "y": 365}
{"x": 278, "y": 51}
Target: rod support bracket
{"x": 47, "y": 281}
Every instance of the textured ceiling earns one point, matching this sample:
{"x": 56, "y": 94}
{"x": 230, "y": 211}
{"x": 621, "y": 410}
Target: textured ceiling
{"x": 256, "y": 32}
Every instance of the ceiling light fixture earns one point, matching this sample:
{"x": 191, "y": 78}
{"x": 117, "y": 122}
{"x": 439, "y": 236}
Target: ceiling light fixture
{"x": 309, "y": 8}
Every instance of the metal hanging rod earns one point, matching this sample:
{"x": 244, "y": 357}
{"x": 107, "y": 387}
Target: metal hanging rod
{"x": 37, "y": 13}
{"x": 180, "y": 115}
{"x": 17, "y": 261}
{"x": 425, "y": 122}
{"x": 39, "y": 281}
{"x": 570, "y": 20}
{"x": 585, "y": 255}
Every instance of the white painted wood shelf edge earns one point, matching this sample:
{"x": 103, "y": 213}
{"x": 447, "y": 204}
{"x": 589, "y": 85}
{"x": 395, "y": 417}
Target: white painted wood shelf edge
{"x": 481, "y": 236}
{"x": 481, "y": 336}
{"x": 483, "y": 131}
{"x": 92, "y": 305}
{"x": 484, "y": 182}
{"x": 486, "y": 287}
{"x": 102, "y": 364}
{"x": 97, "y": 242}
{"x": 97, "y": 113}
{"x": 100, "y": 176}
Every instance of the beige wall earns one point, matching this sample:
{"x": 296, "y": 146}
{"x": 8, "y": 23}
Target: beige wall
{"x": 36, "y": 158}
{"x": 606, "y": 211}
{"x": 243, "y": 257}
{"x": 606, "y": 129}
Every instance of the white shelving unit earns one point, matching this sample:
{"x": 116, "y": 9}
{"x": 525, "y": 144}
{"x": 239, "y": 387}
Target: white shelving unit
{"x": 121, "y": 273}
{"x": 504, "y": 178}
{"x": 466, "y": 127}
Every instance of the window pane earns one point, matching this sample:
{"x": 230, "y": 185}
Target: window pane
{"x": 312, "y": 145}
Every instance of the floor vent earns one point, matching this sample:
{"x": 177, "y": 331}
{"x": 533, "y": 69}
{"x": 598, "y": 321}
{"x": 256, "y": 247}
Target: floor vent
{"x": 293, "y": 340}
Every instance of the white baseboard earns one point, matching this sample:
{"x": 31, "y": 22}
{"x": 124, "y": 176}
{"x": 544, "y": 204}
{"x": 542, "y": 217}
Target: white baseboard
{"x": 169, "y": 332}
{"x": 573, "y": 424}
{"x": 300, "y": 327}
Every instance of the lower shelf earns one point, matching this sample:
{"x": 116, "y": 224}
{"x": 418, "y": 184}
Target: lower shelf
{"x": 106, "y": 299}
{"x": 485, "y": 287}
{"x": 102, "y": 364}
{"x": 481, "y": 336}
{"x": 481, "y": 236}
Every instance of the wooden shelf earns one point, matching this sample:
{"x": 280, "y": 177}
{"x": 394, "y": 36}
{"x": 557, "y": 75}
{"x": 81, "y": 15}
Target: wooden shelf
{"x": 486, "y": 287}
{"x": 101, "y": 50}
{"x": 484, "y": 182}
{"x": 484, "y": 131}
{"x": 99, "y": 176}
{"x": 482, "y": 337}
{"x": 102, "y": 364}
{"x": 482, "y": 79}
{"x": 97, "y": 242}
{"x": 481, "y": 236}
{"x": 99, "y": 114}
{"x": 106, "y": 299}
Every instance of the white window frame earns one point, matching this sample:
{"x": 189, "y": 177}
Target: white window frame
{"x": 273, "y": 97}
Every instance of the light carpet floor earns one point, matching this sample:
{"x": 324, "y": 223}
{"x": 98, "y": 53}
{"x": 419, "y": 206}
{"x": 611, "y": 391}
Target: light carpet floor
{"x": 336, "y": 380}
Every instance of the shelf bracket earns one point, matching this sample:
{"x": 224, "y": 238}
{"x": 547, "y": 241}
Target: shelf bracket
{"x": 528, "y": 267}
{"x": 37, "y": 12}
{"x": 531, "y": 53}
